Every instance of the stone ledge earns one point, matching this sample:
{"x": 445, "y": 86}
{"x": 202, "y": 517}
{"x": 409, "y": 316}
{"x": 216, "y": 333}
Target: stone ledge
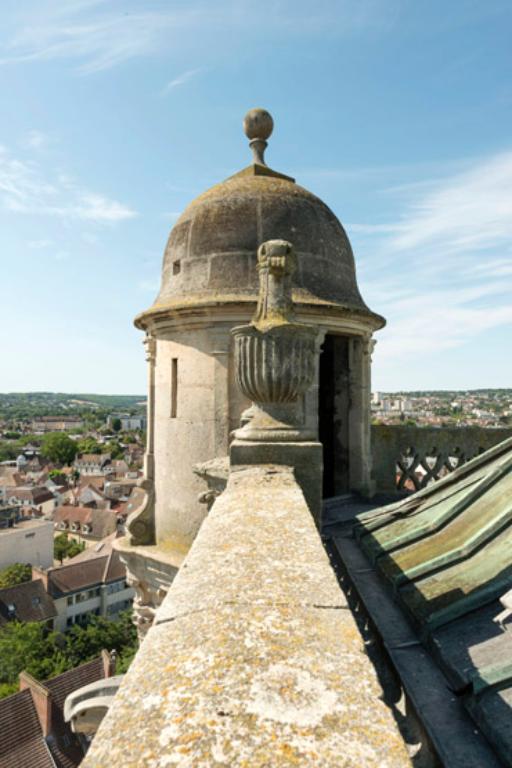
{"x": 260, "y": 549}
{"x": 247, "y": 667}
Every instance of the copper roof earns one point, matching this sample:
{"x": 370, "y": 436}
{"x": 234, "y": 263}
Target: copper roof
{"x": 440, "y": 562}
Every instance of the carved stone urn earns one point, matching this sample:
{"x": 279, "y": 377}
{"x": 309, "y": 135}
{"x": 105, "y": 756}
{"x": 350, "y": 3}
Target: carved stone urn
{"x": 275, "y": 355}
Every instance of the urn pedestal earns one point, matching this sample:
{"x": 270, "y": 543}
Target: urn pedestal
{"x": 275, "y": 359}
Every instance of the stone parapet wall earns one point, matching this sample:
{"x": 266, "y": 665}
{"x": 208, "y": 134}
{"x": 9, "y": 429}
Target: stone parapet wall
{"x": 407, "y": 458}
{"x": 254, "y": 658}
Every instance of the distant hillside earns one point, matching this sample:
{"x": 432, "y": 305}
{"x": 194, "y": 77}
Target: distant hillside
{"x": 451, "y": 393}
{"x": 22, "y": 405}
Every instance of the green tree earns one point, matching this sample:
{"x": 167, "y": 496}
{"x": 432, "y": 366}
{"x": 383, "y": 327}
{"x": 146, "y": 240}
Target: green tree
{"x": 60, "y": 547}
{"x": 87, "y": 642}
{"x": 57, "y": 476}
{"x": 59, "y": 448}
{"x": 15, "y": 574}
{"x": 116, "y": 450}
{"x": 75, "y": 547}
{"x": 8, "y": 451}
{"x": 65, "y": 547}
{"x": 116, "y": 424}
{"x": 89, "y": 445}
{"x": 46, "y": 654}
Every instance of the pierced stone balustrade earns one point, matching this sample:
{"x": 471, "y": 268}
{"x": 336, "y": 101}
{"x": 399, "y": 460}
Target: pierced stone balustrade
{"x": 407, "y": 459}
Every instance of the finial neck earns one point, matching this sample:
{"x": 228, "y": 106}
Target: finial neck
{"x": 258, "y": 147}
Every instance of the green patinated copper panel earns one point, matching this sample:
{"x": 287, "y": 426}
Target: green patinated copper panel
{"x": 473, "y": 470}
{"x": 483, "y": 519}
{"x": 401, "y": 531}
{"x": 496, "y": 676}
{"x": 448, "y": 549}
{"x": 455, "y": 590}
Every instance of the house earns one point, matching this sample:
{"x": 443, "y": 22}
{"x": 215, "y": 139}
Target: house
{"x": 10, "y": 477}
{"x": 27, "y": 541}
{"x": 28, "y": 601}
{"x": 62, "y": 493}
{"x": 92, "y": 583}
{"x": 120, "y": 468}
{"x": 94, "y": 464}
{"x": 56, "y": 424}
{"x": 90, "y": 496}
{"x": 33, "y": 730}
{"x": 119, "y": 489}
{"x": 32, "y": 496}
{"x": 85, "y": 522}
{"x": 128, "y": 422}
{"x": 8, "y": 516}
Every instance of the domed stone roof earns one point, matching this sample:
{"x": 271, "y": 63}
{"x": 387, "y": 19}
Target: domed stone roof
{"x": 211, "y": 251}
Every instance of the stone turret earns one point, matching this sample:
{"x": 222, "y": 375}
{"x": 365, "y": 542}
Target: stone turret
{"x": 210, "y": 282}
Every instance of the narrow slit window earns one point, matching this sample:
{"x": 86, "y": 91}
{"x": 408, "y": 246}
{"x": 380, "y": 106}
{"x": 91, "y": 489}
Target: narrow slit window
{"x": 174, "y": 387}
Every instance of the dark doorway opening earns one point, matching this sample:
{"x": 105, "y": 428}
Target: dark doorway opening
{"x": 333, "y": 407}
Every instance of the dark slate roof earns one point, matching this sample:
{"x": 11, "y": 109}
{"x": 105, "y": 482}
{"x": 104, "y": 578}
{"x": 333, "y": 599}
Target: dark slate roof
{"x": 22, "y": 744}
{"x": 36, "y": 495}
{"x": 103, "y": 522}
{"x": 21, "y": 740}
{"x": 64, "y": 745}
{"x": 440, "y": 560}
{"x": 86, "y": 573}
{"x": 30, "y": 600}
{"x": 93, "y": 458}
{"x": 62, "y": 685}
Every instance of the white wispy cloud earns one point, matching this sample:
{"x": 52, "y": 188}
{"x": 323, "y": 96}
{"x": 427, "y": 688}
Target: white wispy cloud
{"x": 99, "y": 35}
{"x": 35, "y": 139}
{"x": 180, "y": 80}
{"x": 24, "y": 190}
{"x": 88, "y": 32}
{"x": 471, "y": 211}
{"x": 39, "y": 244}
{"x": 441, "y": 271}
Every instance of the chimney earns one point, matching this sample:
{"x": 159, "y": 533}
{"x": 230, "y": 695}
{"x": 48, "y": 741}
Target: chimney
{"x": 42, "y": 699}
{"x": 40, "y": 573}
{"x": 109, "y": 662}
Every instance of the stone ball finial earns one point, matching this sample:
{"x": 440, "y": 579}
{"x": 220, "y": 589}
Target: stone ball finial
{"x": 258, "y": 126}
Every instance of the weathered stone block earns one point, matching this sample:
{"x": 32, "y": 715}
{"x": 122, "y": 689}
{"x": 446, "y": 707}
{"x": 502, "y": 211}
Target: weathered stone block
{"x": 305, "y": 459}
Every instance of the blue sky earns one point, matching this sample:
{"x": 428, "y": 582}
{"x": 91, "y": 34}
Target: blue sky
{"x": 115, "y": 114}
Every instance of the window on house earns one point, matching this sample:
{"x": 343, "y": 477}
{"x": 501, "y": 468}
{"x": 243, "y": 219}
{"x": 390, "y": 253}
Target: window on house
{"x": 174, "y": 387}
{"x": 176, "y": 267}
